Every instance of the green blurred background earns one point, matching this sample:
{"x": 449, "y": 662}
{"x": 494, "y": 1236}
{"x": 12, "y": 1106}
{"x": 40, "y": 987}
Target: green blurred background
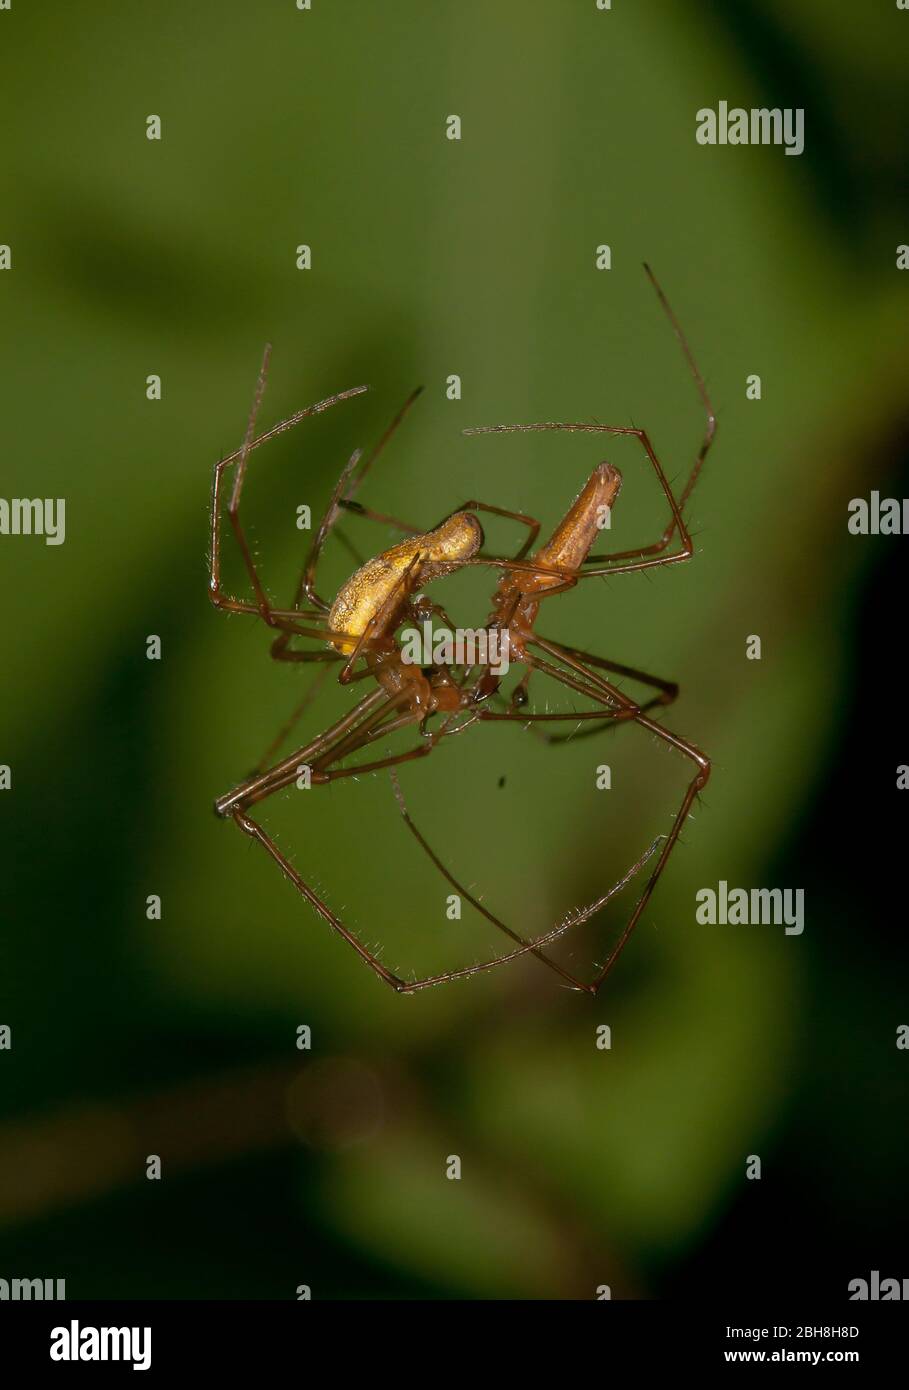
{"x": 177, "y": 1037}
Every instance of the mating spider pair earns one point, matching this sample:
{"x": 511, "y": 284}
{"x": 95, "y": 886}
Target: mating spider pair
{"x": 357, "y": 631}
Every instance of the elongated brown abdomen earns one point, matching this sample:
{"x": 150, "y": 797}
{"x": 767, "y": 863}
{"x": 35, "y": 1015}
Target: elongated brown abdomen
{"x": 573, "y": 538}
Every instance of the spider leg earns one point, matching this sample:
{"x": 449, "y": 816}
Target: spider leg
{"x": 534, "y": 949}
{"x": 374, "y": 717}
{"x": 291, "y": 722}
{"x": 595, "y": 721}
{"x": 347, "y": 504}
{"x": 343, "y": 739}
{"x": 400, "y": 986}
{"x": 512, "y": 716}
{"x": 701, "y": 385}
{"x": 669, "y": 691}
{"x": 533, "y": 526}
{"x": 698, "y": 781}
{"x": 352, "y": 475}
{"x": 283, "y": 773}
{"x": 656, "y": 548}
{"x": 219, "y": 598}
{"x": 648, "y": 556}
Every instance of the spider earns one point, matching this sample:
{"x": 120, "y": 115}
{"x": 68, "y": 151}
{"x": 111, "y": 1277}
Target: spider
{"x": 357, "y": 631}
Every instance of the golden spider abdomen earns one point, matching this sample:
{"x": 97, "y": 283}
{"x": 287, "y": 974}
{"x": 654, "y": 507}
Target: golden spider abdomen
{"x": 390, "y": 579}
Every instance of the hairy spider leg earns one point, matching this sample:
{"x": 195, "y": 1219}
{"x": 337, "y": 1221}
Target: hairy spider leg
{"x": 219, "y": 598}
{"x": 535, "y": 949}
{"x": 689, "y": 750}
{"x": 362, "y": 725}
{"x": 675, "y": 522}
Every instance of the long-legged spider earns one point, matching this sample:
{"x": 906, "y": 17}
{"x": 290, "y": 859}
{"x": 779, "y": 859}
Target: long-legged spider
{"x": 358, "y": 631}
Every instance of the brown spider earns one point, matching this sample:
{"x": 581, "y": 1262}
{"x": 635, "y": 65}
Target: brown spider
{"x": 358, "y": 631}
